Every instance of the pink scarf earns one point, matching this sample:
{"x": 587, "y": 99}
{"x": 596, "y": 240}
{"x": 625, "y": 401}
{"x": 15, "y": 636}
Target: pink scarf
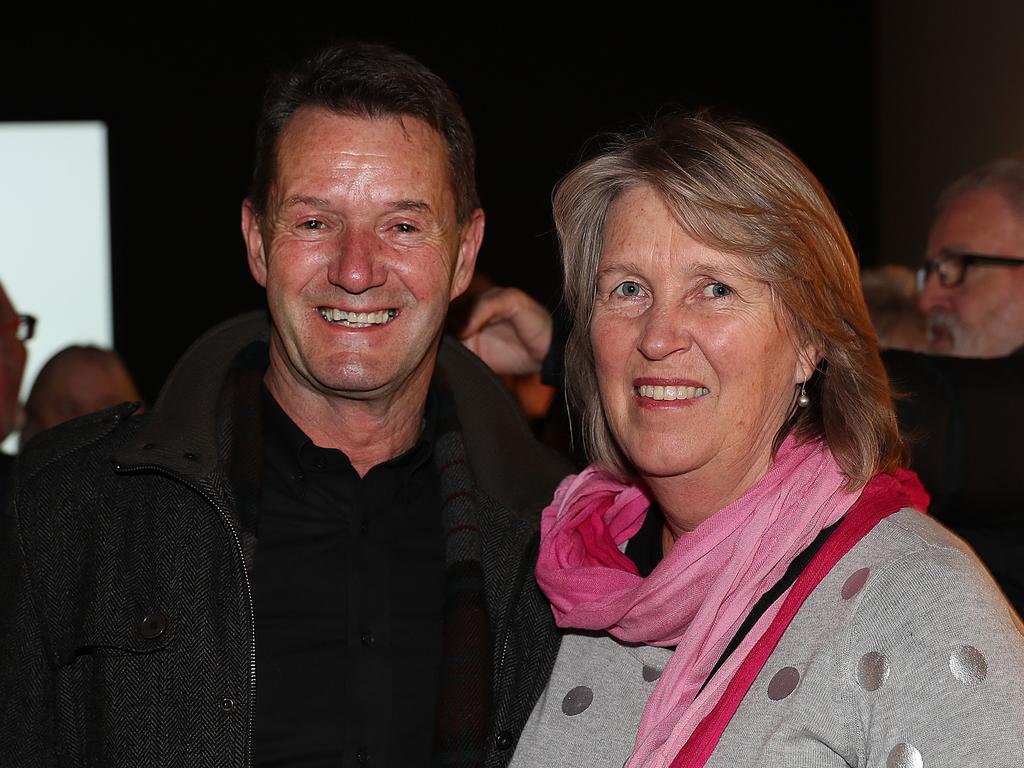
{"x": 700, "y": 593}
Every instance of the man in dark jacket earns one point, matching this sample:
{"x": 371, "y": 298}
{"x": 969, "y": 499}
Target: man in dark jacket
{"x": 362, "y": 507}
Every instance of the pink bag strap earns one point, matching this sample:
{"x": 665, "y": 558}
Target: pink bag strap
{"x": 884, "y": 495}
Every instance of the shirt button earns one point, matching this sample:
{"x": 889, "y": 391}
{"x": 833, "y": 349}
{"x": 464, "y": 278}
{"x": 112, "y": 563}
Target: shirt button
{"x": 363, "y": 757}
{"x": 368, "y": 639}
{"x": 503, "y": 741}
{"x": 152, "y": 626}
{"x": 364, "y": 528}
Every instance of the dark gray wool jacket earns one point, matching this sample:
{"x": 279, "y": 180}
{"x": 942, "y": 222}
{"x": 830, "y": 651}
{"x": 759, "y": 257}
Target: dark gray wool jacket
{"x": 126, "y": 621}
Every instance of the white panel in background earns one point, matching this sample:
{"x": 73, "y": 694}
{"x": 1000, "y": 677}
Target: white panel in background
{"x": 55, "y": 234}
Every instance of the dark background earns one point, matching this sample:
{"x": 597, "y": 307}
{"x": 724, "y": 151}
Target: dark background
{"x": 180, "y": 101}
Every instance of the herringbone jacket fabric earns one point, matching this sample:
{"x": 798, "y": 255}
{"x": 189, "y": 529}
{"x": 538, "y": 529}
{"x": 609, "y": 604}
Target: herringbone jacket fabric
{"x": 125, "y": 609}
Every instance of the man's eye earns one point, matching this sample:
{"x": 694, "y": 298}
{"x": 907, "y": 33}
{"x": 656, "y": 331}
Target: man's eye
{"x": 312, "y": 224}
{"x": 629, "y": 289}
{"x": 717, "y": 290}
{"x": 405, "y": 227}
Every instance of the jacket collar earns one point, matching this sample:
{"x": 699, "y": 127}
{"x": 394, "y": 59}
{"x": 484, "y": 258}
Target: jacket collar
{"x": 181, "y": 433}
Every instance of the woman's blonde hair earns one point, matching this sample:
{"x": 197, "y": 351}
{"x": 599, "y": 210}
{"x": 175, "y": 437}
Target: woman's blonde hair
{"x": 739, "y": 191}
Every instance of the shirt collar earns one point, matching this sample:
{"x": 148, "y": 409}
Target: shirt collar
{"x": 294, "y": 445}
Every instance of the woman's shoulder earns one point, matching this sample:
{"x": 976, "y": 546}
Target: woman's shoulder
{"x": 933, "y": 656}
{"x": 915, "y": 569}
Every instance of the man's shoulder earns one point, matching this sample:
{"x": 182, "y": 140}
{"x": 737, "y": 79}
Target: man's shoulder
{"x": 75, "y": 444}
{"x": 509, "y": 463}
{"x": 61, "y": 473}
{"x": 81, "y": 454}
{"x": 917, "y": 370}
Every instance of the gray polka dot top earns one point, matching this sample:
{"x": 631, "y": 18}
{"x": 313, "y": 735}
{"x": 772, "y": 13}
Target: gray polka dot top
{"x": 905, "y": 656}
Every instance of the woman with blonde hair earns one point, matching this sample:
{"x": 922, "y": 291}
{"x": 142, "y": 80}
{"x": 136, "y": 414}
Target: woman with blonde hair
{"x": 745, "y": 575}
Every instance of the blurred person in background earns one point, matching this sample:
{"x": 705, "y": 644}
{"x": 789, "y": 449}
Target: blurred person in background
{"x": 890, "y": 293}
{"x": 77, "y": 380}
{"x": 971, "y": 284}
{"x": 15, "y": 330}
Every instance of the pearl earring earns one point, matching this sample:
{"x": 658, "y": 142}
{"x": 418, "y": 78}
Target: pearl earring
{"x": 804, "y": 399}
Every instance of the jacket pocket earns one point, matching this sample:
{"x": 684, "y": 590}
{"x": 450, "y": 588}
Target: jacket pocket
{"x": 111, "y": 705}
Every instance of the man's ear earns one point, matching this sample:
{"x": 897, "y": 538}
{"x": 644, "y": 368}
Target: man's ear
{"x": 253, "y": 237}
{"x": 471, "y": 237}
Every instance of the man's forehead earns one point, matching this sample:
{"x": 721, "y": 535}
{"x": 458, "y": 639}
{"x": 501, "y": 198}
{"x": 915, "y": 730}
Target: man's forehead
{"x": 375, "y": 134}
{"x": 370, "y": 150}
{"x": 983, "y": 210}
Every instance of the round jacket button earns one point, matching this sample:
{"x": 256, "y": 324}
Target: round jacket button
{"x": 503, "y": 741}
{"x": 153, "y": 625}
{"x": 363, "y": 757}
{"x": 368, "y": 639}
{"x": 227, "y": 704}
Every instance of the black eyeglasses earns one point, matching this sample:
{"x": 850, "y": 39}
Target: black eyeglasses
{"x": 951, "y": 267}
{"x": 24, "y": 327}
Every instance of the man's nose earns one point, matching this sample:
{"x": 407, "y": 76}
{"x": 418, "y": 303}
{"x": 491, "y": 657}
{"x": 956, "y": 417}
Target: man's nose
{"x": 933, "y": 294}
{"x": 667, "y": 329}
{"x": 358, "y": 262}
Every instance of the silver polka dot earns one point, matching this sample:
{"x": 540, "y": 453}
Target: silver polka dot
{"x": 904, "y": 756}
{"x": 577, "y": 700}
{"x": 651, "y": 673}
{"x": 968, "y": 665}
{"x": 872, "y": 671}
{"x": 855, "y": 583}
{"x": 783, "y": 683}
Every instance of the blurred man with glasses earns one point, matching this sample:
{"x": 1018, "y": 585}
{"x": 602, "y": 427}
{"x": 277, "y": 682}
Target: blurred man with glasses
{"x": 15, "y": 330}
{"x": 970, "y": 289}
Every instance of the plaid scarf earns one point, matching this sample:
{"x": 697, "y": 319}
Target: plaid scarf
{"x": 464, "y": 693}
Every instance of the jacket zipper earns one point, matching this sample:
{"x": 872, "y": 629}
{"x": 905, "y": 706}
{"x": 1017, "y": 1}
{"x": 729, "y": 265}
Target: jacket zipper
{"x": 527, "y": 557}
{"x": 226, "y": 519}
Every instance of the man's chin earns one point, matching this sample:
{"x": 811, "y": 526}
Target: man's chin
{"x": 942, "y": 345}
{"x": 941, "y": 339}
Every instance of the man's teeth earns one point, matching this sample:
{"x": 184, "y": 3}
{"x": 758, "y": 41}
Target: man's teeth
{"x": 357, "y": 319}
{"x": 671, "y": 393}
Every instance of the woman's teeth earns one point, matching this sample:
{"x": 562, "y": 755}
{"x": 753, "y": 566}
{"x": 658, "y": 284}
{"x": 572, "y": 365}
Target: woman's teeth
{"x": 671, "y": 393}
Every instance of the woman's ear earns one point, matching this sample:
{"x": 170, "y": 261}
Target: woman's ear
{"x": 807, "y": 359}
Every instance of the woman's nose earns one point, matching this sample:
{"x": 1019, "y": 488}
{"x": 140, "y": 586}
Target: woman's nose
{"x": 666, "y": 330}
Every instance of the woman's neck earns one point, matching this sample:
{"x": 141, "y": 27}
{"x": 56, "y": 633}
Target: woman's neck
{"x": 688, "y": 500}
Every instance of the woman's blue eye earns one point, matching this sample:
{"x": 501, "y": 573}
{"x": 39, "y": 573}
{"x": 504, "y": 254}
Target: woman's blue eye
{"x": 629, "y": 289}
{"x": 717, "y": 290}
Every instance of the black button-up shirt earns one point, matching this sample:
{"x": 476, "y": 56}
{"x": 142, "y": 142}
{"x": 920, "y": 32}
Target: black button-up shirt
{"x": 348, "y": 591}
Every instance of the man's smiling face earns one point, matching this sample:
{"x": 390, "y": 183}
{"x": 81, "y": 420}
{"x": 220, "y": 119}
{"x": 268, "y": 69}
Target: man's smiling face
{"x": 360, "y": 252}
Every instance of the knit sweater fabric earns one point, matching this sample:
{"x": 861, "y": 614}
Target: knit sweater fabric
{"x": 905, "y": 655}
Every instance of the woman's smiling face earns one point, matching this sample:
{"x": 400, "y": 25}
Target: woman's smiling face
{"x": 697, "y": 372}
